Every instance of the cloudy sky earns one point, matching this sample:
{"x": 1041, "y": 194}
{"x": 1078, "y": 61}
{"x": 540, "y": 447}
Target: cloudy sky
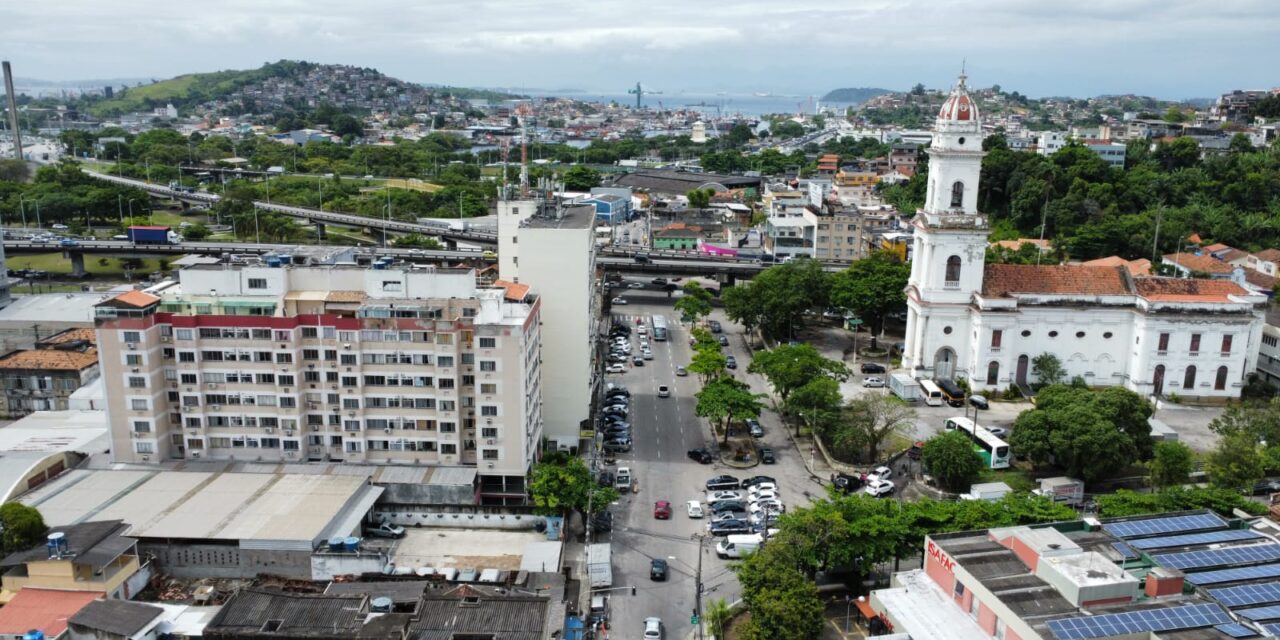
{"x": 1167, "y": 48}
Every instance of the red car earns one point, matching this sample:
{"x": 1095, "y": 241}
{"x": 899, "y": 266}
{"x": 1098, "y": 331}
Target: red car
{"x": 662, "y": 510}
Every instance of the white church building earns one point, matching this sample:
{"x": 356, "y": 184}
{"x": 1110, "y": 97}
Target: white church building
{"x": 986, "y": 322}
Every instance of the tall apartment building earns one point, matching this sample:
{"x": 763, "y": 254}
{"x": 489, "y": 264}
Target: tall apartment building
{"x": 552, "y": 250}
{"x": 384, "y": 365}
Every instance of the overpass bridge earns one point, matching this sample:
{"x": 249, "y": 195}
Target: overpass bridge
{"x": 315, "y": 216}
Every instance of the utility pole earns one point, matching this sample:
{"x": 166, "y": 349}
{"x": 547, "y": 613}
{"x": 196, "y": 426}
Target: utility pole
{"x": 697, "y": 587}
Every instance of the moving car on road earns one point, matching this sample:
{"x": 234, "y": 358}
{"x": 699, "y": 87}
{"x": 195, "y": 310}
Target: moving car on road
{"x": 730, "y": 362}
{"x": 652, "y": 625}
{"x": 658, "y": 569}
{"x": 664, "y": 391}
{"x": 618, "y": 301}
{"x": 754, "y": 428}
{"x": 767, "y": 456}
{"x": 662, "y": 510}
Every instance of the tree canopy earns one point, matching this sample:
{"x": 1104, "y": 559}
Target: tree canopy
{"x": 563, "y": 483}
{"x": 950, "y": 459}
{"x": 21, "y": 527}
{"x": 1089, "y": 434}
{"x": 873, "y": 287}
{"x": 726, "y": 400}
{"x": 791, "y": 366}
{"x": 776, "y": 299}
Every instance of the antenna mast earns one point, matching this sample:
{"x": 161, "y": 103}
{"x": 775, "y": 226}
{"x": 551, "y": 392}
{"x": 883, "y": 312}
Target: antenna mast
{"x": 522, "y": 113}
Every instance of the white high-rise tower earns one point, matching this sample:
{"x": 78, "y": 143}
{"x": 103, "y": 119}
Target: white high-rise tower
{"x": 950, "y": 242}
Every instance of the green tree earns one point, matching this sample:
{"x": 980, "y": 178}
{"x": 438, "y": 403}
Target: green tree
{"x": 726, "y": 400}
{"x": 872, "y": 287}
{"x": 581, "y": 178}
{"x": 867, "y": 422}
{"x": 197, "y": 231}
{"x": 21, "y": 527}
{"x": 1048, "y": 369}
{"x": 1174, "y": 115}
{"x": 816, "y": 403}
{"x": 1084, "y": 432}
{"x": 695, "y": 303}
{"x": 717, "y": 612}
{"x": 776, "y": 299}
{"x": 1172, "y": 463}
{"x": 783, "y": 601}
{"x": 951, "y": 459}
{"x": 699, "y": 198}
{"x": 562, "y": 483}
{"x": 1236, "y": 463}
{"x": 791, "y": 366}
{"x": 14, "y": 170}
{"x": 708, "y": 364}
{"x": 1132, "y": 503}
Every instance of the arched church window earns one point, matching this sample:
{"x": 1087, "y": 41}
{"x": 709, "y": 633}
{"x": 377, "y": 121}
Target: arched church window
{"x": 957, "y": 195}
{"x": 993, "y": 372}
{"x": 953, "y": 270}
{"x": 1220, "y": 382}
{"x": 1189, "y": 380}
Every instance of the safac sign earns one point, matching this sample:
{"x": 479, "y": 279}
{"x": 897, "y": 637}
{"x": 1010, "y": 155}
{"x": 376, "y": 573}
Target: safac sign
{"x": 941, "y": 557}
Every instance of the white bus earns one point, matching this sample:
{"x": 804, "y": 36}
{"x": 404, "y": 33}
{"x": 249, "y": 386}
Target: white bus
{"x": 993, "y": 450}
{"x": 659, "y": 328}
{"x": 931, "y": 394}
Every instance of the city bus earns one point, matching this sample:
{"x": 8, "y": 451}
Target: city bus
{"x": 931, "y": 393}
{"x": 993, "y": 450}
{"x": 659, "y": 329}
{"x": 951, "y": 392}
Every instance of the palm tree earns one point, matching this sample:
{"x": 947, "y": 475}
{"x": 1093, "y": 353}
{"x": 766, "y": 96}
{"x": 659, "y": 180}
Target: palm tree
{"x": 717, "y": 612}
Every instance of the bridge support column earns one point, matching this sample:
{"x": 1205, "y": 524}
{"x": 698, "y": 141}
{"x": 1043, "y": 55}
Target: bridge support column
{"x": 77, "y": 263}
{"x": 186, "y": 206}
{"x": 449, "y": 243}
{"x": 321, "y": 232}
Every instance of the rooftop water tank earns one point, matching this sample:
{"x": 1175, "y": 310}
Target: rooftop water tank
{"x": 352, "y": 543}
{"x": 381, "y": 604}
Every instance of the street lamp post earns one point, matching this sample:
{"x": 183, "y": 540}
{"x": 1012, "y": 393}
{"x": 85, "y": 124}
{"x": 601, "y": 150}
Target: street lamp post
{"x": 120, "y": 207}
{"x": 697, "y": 583}
{"x": 22, "y": 205}
{"x": 131, "y": 208}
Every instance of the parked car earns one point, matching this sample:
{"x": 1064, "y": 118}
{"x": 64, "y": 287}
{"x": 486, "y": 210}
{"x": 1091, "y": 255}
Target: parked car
{"x": 730, "y": 362}
{"x": 721, "y": 483}
{"x": 754, "y": 428}
{"x": 635, "y": 285}
{"x": 871, "y": 367}
{"x": 721, "y": 496}
{"x": 652, "y": 624}
{"x": 762, "y": 495}
{"x": 637, "y": 361}
{"x": 616, "y": 368}
{"x": 755, "y": 480}
{"x": 727, "y": 505}
{"x": 664, "y": 391}
{"x": 880, "y": 473}
{"x": 979, "y": 402}
{"x": 646, "y": 353}
{"x": 724, "y": 516}
{"x": 873, "y": 382}
{"x": 1266, "y": 486}
{"x": 694, "y": 508}
{"x": 770, "y": 519}
{"x": 767, "y": 456}
{"x": 846, "y": 483}
{"x": 658, "y": 569}
{"x": 617, "y": 446}
{"x": 879, "y": 488}
{"x": 385, "y": 530}
{"x": 605, "y": 479}
{"x": 916, "y": 450}
{"x": 662, "y": 510}
{"x": 760, "y": 487}
{"x": 602, "y": 521}
{"x": 658, "y": 281}
{"x": 773, "y": 506}
{"x": 730, "y": 528}
{"x": 999, "y": 432}
{"x": 618, "y": 301}
{"x": 702, "y": 456}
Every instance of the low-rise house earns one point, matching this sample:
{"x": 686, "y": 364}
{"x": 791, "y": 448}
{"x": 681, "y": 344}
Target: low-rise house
{"x": 117, "y": 620}
{"x": 43, "y": 610}
{"x": 43, "y": 378}
{"x": 91, "y": 556}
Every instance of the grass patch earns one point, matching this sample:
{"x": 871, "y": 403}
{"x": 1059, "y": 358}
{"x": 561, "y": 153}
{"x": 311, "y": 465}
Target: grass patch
{"x": 56, "y": 263}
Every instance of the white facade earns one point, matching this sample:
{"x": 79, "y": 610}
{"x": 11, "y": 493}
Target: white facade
{"x": 556, "y": 256}
{"x": 1049, "y": 142}
{"x": 985, "y": 323}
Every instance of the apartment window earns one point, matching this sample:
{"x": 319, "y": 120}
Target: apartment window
{"x": 468, "y": 359}
{"x": 1164, "y": 342}
{"x": 139, "y": 404}
{"x": 488, "y": 388}
{"x": 1195, "y": 343}
{"x": 183, "y": 334}
{"x": 489, "y": 454}
{"x": 488, "y": 410}
{"x": 446, "y": 383}
{"x": 284, "y": 380}
{"x": 958, "y": 592}
{"x": 448, "y": 427}
{"x": 144, "y": 447}
{"x": 131, "y": 336}
{"x": 310, "y": 332}
{"x": 999, "y": 629}
{"x": 488, "y": 365}
{"x": 290, "y": 445}
{"x": 133, "y": 360}
{"x": 444, "y": 361}
{"x": 137, "y": 382}
{"x": 449, "y": 449}
{"x": 1220, "y": 381}
{"x": 141, "y": 426}
{"x": 488, "y": 343}
{"x": 186, "y": 356}
{"x": 282, "y": 336}
{"x": 489, "y": 432}
{"x": 996, "y": 336}
{"x": 284, "y": 358}
{"x": 392, "y": 285}
{"x": 1226, "y": 345}
{"x": 257, "y": 283}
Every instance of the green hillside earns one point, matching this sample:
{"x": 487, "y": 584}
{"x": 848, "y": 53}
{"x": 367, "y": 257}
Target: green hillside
{"x": 856, "y": 95}
{"x": 193, "y": 88}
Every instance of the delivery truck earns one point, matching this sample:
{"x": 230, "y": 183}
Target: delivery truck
{"x": 600, "y": 565}
{"x": 904, "y": 386}
{"x": 1062, "y": 489}
{"x": 153, "y": 235}
{"x": 739, "y": 546}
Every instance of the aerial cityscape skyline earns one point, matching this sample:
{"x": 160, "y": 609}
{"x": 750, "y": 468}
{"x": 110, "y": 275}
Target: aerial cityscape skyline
{"x": 798, "y": 48}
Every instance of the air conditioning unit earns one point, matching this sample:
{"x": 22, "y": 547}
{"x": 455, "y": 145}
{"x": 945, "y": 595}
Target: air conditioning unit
{"x": 135, "y": 434}
{"x": 346, "y": 346}
{"x": 335, "y": 408}
{"x": 136, "y": 370}
{"x": 165, "y": 338}
{"x": 195, "y": 454}
{"x": 291, "y": 454}
{"x": 386, "y": 430}
{"x": 489, "y": 441}
{"x": 173, "y": 384}
{"x": 216, "y": 407}
{"x": 315, "y": 427}
{"x": 311, "y": 405}
{"x": 269, "y": 430}
{"x": 131, "y": 346}
{"x": 211, "y": 385}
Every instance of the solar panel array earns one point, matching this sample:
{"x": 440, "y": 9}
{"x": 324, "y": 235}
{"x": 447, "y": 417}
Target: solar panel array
{"x": 1160, "y": 526}
{"x": 1238, "y": 574}
{"x": 1236, "y": 630}
{"x": 1271, "y": 629}
{"x": 1125, "y": 551}
{"x": 1189, "y": 539}
{"x": 1247, "y": 595}
{"x": 1260, "y": 613}
{"x": 1246, "y": 554}
{"x": 1115, "y": 624}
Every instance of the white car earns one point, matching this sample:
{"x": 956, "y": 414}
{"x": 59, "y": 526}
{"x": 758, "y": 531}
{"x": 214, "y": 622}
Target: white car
{"x": 774, "y": 506}
{"x": 646, "y": 354}
{"x": 653, "y": 628}
{"x": 873, "y": 382}
{"x": 722, "y": 496}
{"x": 757, "y": 489}
{"x": 764, "y": 496}
{"x": 635, "y": 285}
{"x": 880, "y": 473}
{"x": 618, "y": 301}
{"x": 695, "y": 509}
{"x": 616, "y": 368}
{"x": 664, "y": 391}
{"x": 878, "y": 488}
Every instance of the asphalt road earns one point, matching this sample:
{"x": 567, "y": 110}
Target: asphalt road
{"x": 664, "y": 429}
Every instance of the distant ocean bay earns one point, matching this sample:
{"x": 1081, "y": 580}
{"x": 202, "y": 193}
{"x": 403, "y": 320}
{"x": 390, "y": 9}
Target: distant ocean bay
{"x": 730, "y": 103}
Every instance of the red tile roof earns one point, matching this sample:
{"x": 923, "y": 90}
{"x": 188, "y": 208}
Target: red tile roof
{"x": 1203, "y": 264}
{"x": 1232, "y": 255}
{"x": 1187, "y": 289}
{"x": 1214, "y": 248}
{"x": 1139, "y": 267}
{"x": 1003, "y": 279}
{"x": 1259, "y": 279}
{"x": 1194, "y": 238}
{"x": 1269, "y": 255}
{"x": 136, "y": 298}
{"x": 45, "y": 609}
{"x": 1017, "y": 244}
{"x": 514, "y": 292}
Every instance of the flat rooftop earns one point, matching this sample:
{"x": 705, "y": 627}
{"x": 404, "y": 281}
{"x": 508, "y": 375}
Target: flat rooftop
{"x": 462, "y": 548}
{"x": 574, "y": 217}
{"x": 213, "y": 506}
{"x": 53, "y": 307}
{"x": 933, "y": 614}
